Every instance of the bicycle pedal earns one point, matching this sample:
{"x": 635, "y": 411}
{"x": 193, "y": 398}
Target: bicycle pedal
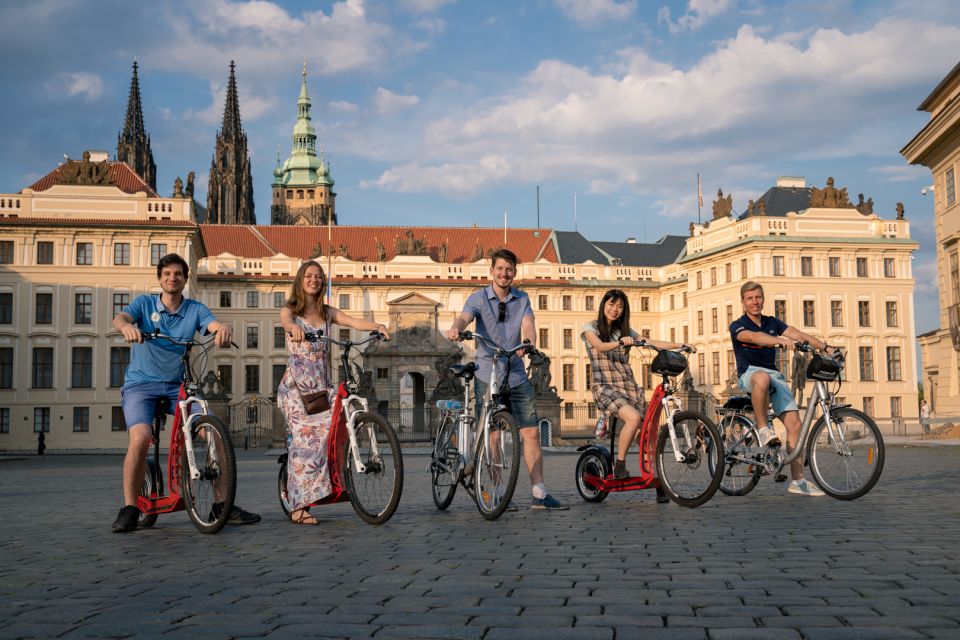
{"x": 781, "y": 478}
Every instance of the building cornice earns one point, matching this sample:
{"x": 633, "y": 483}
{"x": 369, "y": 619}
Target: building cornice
{"x": 807, "y": 240}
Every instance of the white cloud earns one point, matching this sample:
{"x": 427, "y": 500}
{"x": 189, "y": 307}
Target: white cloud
{"x": 425, "y": 6}
{"x": 251, "y": 107}
{"x": 343, "y": 106}
{"x": 901, "y": 173}
{"x": 431, "y": 25}
{"x": 88, "y": 86}
{"x": 698, "y": 13}
{"x": 388, "y": 102}
{"x": 453, "y": 179}
{"x": 590, "y": 12}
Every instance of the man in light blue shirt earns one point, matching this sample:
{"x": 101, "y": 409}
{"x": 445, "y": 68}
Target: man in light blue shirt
{"x": 503, "y": 314}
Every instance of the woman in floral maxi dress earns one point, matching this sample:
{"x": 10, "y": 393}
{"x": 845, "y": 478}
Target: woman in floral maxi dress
{"x": 308, "y": 371}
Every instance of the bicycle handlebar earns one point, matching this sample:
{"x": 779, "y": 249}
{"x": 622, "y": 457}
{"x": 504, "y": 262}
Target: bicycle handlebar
{"x": 837, "y": 354}
{"x": 317, "y": 336}
{"x": 189, "y": 342}
{"x": 644, "y": 344}
{"x": 524, "y": 346}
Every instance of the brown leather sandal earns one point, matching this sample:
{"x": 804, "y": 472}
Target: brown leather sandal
{"x": 303, "y": 516}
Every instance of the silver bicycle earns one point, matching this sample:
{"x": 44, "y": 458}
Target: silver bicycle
{"x": 482, "y": 454}
{"x": 844, "y": 448}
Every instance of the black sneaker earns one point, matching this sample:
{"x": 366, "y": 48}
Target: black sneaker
{"x": 127, "y": 519}
{"x": 620, "y": 470}
{"x": 662, "y": 497}
{"x": 237, "y": 515}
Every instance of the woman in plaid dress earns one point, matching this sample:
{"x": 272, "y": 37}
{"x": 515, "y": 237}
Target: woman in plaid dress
{"x": 608, "y": 340}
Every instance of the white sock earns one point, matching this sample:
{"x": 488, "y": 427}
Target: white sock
{"x": 539, "y": 491}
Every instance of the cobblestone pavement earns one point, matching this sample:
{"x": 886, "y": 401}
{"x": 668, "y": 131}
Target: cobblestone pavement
{"x": 769, "y": 565}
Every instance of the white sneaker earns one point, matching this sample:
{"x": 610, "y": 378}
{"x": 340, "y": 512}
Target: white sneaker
{"x": 804, "y": 488}
{"x": 768, "y": 437}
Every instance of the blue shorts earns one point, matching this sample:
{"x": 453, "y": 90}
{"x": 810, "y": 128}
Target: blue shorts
{"x": 522, "y": 402}
{"x": 139, "y": 401}
{"x": 781, "y": 401}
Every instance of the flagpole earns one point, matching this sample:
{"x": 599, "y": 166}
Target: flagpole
{"x": 699, "y": 198}
{"x": 504, "y": 227}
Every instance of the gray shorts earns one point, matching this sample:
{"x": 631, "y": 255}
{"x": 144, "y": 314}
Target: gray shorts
{"x": 781, "y": 401}
{"x": 522, "y": 402}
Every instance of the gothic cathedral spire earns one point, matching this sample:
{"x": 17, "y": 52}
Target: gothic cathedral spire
{"x": 133, "y": 143}
{"x": 230, "y": 188}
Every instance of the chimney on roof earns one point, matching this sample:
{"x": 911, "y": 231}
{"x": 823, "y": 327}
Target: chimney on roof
{"x": 791, "y": 181}
{"x": 98, "y": 156}
{"x": 631, "y": 240}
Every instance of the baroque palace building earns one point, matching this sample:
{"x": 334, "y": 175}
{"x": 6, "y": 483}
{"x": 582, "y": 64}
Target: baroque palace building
{"x": 937, "y": 147}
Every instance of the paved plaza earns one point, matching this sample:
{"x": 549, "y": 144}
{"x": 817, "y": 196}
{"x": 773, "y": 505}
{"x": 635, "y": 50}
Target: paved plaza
{"x": 769, "y": 565}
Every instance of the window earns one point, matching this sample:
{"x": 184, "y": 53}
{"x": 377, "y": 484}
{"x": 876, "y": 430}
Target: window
{"x": 587, "y": 376}
{"x": 701, "y": 368}
{"x": 806, "y": 266}
{"x": 834, "y": 263}
{"x": 6, "y": 308}
{"x": 117, "y": 421}
{"x": 43, "y": 368}
{"x": 344, "y": 300}
{"x": 85, "y": 253}
{"x": 672, "y": 307}
{"x": 729, "y": 315}
{"x": 863, "y": 313}
{"x": 836, "y": 313}
{"x": 568, "y": 383}
{"x": 251, "y": 381}
{"x": 541, "y": 303}
{"x": 684, "y": 299}
{"x": 120, "y": 300}
{"x": 713, "y": 276}
{"x": 344, "y": 335}
{"x": 686, "y": 334}
{"x": 157, "y": 251}
{"x": 700, "y": 322}
{"x": 866, "y": 364}
{"x": 780, "y": 310}
{"x": 951, "y": 187}
{"x": 44, "y": 308}
{"x": 646, "y": 376}
{"x": 253, "y": 336}
{"x": 225, "y": 373}
{"x": 568, "y": 411}
{"x": 81, "y": 419}
{"x": 81, "y": 372}
{"x": 673, "y": 334}
{"x": 83, "y": 308}
{"x": 5, "y": 420}
{"x": 278, "y": 299}
{"x": 591, "y": 411}
{"x": 782, "y": 361}
{"x": 955, "y": 278}
{"x": 893, "y": 364}
{"x": 644, "y": 303}
{"x": 6, "y": 251}
{"x": 809, "y": 313}
{"x": 41, "y": 419}
{"x": 699, "y": 280}
{"x": 862, "y": 268}
{"x": 728, "y": 271}
{"x": 567, "y": 302}
{"x": 714, "y": 324}
{"x": 889, "y": 268}
{"x": 896, "y": 408}
{"x": 588, "y": 303}
{"x": 279, "y": 339}
{"x": 121, "y": 253}
{"x": 743, "y": 269}
{"x": 892, "y": 320}
{"x": 383, "y": 373}
{"x": 253, "y": 299}
{"x": 716, "y": 367}
{"x": 119, "y": 360}
{"x": 226, "y": 300}
{"x": 568, "y": 338}
{"x": 277, "y": 374}
{"x": 731, "y": 365}
{"x": 44, "y": 252}
{"x": 778, "y": 266}
{"x": 544, "y": 342}
{"x": 6, "y": 367}
{"x": 868, "y": 406}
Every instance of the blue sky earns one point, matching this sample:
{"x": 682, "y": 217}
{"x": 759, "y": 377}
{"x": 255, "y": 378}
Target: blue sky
{"x": 439, "y": 112}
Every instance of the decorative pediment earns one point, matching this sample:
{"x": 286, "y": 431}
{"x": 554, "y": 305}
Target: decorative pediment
{"x": 413, "y": 300}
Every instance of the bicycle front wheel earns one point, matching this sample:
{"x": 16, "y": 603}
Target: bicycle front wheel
{"x": 375, "y": 491}
{"x": 282, "y": 493}
{"x": 591, "y": 467}
{"x": 738, "y": 477}
{"x": 208, "y": 498}
{"x": 846, "y": 455}
{"x": 691, "y": 473}
{"x": 497, "y": 466}
{"x": 445, "y": 465}
{"x": 147, "y": 490}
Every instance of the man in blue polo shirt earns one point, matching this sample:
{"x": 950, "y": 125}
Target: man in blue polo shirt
{"x": 755, "y": 341}
{"x": 503, "y": 314}
{"x": 155, "y": 371}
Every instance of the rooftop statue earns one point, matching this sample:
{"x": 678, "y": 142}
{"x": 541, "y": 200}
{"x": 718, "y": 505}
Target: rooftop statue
{"x": 829, "y": 197}
{"x": 722, "y": 206}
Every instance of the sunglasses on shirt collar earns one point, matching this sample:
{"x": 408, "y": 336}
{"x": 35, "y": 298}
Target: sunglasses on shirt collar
{"x": 503, "y": 311}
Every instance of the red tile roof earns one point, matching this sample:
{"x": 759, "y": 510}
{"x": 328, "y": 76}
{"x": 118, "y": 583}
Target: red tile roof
{"x": 92, "y": 222}
{"x": 340, "y": 281}
{"x": 361, "y": 241}
{"x": 121, "y": 175}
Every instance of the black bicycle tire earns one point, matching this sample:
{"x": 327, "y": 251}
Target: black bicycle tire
{"x": 877, "y": 467}
{"x": 442, "y": 501}
{"x": 757, "y": 470}
{"x": 282, "y": 494}
{"x": 347, "y": 470}
{"x": 717, "y": 476}
{"x": 228, "y": 473}
{"x": 149, "y": 481}
{"x": 511, "y": 485}
{"x": 588, "y": 493}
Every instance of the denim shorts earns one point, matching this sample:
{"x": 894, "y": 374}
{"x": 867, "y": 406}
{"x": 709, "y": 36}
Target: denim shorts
{"x": 522, "y": 402}
{"x": 781, "y": 401}
{"x": 139, "y": 401}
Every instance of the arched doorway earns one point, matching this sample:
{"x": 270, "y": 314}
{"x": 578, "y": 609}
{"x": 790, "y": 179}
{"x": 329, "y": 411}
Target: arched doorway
{"x": 413, "y": 402}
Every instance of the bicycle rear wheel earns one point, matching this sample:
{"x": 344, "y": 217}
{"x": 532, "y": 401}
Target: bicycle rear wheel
{"x": 147, "y": 490}
{"x": 208, "y": 499}
{"x": 375, "y": 492}
{"x": 497, "y": 466}
{"x": 282, "y": 489}
{"x": 693, "y": 479}
{"x": 848, "y": 461}
{"x": 594, "y": 465}
{"x": 738, "y": 477}
{"x": 445, "y": 465}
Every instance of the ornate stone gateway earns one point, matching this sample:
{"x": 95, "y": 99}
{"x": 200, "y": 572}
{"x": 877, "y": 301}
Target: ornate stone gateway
{"x": 251, "y": 422}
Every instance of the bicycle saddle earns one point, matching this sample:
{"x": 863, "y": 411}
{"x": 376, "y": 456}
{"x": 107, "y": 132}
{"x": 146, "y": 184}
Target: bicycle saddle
{"x": 464, "y": 370}
{"x": 739, "y": 403}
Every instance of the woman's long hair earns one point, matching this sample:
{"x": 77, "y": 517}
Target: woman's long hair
{"x": 622, "y": 324}
{"x": 299, "y": 301}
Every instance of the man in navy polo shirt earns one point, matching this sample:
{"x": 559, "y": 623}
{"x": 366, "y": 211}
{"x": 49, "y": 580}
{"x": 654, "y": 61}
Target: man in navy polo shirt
{"x": 503, "y": 314}
{"x": 755, "y": 341}
{"x": 154, "y": 372}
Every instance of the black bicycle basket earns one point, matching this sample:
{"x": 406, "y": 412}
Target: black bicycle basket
{"x": 669, "y": 363}
{"x": 823, "y": 368}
